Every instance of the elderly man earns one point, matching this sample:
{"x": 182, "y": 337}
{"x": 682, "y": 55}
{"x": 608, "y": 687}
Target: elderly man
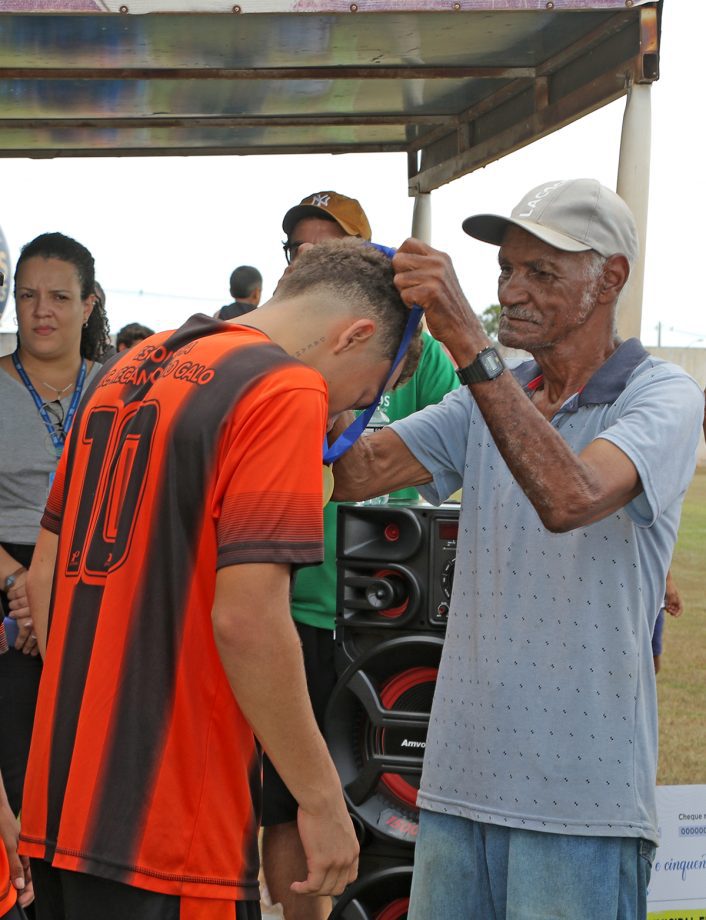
{"x": 538, "y": 789}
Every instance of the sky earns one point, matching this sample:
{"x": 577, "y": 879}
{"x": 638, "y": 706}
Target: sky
{"x": 167, "y": 232}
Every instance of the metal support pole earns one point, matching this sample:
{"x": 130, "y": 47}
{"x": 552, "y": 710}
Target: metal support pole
{"x": 421, "y": 218}
{"x": 633, "y": 187}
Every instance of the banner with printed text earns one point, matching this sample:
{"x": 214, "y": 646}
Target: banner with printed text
{"x": 677, "y": 889}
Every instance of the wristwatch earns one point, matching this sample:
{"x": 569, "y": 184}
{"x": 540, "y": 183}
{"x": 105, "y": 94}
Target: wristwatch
{"x": 487, "y": 366}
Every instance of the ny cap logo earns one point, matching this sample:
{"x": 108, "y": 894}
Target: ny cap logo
{"x": 320, "y": 201}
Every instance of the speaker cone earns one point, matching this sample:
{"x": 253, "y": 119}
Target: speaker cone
{"x": 376, "y": 725}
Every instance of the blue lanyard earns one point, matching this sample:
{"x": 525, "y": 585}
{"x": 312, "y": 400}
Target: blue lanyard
{"x": 57, "y": 439}
{"x": 348, "y": 437}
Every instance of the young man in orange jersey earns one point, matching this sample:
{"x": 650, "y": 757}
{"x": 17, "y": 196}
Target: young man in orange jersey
{"x": 189, "y": 491}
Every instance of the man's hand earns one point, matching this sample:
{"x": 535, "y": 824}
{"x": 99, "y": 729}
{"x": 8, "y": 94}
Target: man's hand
{"x": 19, "y": 865}
{"x": 17, "y": 599}
{"x": 673, "y": 603}
{"x": 426, "y": 277}
{"x": 18, "y": 603}
{"x": 331, "y": 850}
{"x": 26, "y": 641}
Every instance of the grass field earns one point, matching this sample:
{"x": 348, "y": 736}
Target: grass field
{"x": 681, "y": 682}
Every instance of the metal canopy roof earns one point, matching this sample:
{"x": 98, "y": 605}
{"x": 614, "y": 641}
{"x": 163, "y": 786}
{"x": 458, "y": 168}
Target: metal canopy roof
{"x": 454, "y": 85}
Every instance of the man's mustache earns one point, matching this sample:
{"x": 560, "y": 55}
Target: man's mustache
{"x": 520, "y": 313}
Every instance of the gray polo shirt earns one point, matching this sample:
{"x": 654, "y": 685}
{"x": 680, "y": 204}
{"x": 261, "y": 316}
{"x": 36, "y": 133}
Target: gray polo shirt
{"x": 545, "y": 711}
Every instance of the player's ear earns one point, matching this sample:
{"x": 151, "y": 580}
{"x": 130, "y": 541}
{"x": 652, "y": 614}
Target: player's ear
{"x": 355, "y": 335}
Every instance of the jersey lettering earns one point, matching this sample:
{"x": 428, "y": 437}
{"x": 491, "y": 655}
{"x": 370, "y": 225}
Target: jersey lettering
{"x": 115, "y": 476}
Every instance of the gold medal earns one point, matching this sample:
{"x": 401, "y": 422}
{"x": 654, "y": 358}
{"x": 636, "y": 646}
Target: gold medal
{"x": 328, "y": 484}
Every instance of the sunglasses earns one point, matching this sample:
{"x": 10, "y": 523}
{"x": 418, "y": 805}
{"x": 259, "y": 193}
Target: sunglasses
{"x": 291, "y": 251}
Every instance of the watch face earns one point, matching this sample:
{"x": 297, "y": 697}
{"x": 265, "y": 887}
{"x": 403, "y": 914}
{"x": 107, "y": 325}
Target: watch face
{"x": 491, "y": 363}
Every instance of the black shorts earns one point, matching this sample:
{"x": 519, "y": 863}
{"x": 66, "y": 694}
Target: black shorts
{"x": 64, "y": 895}
{"x": 278, "y": 804}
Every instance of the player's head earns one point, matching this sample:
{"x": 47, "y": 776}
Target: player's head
{"x": 357, "y": 280}
{"x": 345, "y": 290}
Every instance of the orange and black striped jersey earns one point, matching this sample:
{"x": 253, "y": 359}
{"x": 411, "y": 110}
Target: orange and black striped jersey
{"x": 199, "y": 448}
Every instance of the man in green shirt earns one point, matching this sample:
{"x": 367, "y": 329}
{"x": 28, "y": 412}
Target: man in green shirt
{"x": 322, "y": 216}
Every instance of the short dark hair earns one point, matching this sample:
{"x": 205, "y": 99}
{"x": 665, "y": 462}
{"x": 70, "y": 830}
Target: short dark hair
{"x": 244, "y": 280}
{"x": 95, "y": 336}
{"x": 132, "y": 333}
{"x": 352, "y": 269}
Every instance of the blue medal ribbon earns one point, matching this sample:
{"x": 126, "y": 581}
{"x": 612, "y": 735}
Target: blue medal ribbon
{"x": 348, "y": 437}
{"x": 57, "y": 439}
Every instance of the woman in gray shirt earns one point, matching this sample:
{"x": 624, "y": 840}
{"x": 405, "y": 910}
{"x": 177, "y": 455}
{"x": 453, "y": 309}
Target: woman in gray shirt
{"x": 62, "y": 330}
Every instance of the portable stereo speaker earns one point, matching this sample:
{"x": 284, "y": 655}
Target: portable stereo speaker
{"x": 395, "y": 573}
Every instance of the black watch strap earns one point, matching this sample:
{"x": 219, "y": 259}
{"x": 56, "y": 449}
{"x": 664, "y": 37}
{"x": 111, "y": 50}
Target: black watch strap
{"x": 487, "y": 366}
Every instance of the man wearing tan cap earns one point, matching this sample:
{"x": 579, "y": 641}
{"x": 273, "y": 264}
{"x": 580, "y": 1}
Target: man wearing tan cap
{"x": 319, "y": 217}
{"x": 323, "y": 216}
{"x": 537, "y": 796}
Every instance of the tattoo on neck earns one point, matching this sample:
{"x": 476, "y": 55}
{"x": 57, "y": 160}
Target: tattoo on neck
{"x": 301, "y": 351}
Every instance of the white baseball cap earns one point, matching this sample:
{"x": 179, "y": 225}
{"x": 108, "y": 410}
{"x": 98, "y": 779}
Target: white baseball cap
{"x": 574, "y": 215}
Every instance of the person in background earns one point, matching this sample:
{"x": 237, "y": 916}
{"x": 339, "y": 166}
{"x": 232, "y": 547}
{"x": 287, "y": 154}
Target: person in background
{"x": 674, "y": 606}
{"x": 14, "y": 873}
{"x": 195, "y": 490}
{"x": 132, "y": 334}
{"x": 538, "y": 789}
{"x": 61, "y": 332}
{"x": 246, "y": 291}
{"x": 320, "y": 217}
